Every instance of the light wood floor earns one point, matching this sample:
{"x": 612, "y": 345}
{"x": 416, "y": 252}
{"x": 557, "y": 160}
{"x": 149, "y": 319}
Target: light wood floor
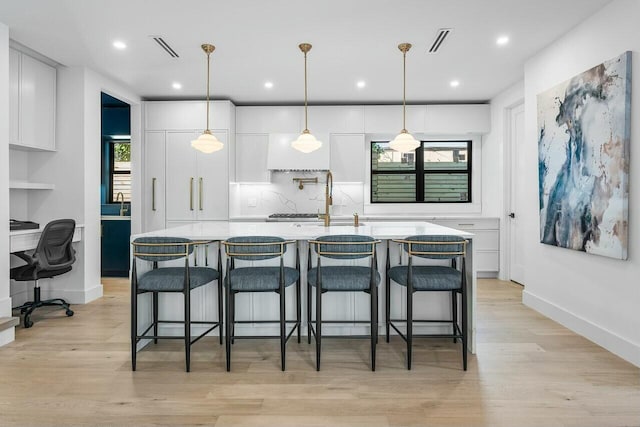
{"x": 528, "y": 371}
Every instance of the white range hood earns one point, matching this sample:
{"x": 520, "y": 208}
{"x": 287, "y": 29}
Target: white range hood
{"x": 281, "y": 156}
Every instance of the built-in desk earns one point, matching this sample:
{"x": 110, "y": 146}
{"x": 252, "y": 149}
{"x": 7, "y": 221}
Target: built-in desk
{"x": 23, "y": 240}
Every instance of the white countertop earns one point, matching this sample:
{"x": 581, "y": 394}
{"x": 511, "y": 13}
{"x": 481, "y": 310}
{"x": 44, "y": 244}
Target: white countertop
{"x": 302, "y": 230}
{"x": 115, "y": 218}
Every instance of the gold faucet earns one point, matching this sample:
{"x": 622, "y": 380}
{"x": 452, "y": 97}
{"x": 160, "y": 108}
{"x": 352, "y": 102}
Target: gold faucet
{"x": 122, "y": 208}
{"x": 328, "y": 199}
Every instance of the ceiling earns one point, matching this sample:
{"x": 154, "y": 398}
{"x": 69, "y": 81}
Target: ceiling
{"x": 256, "y": 41}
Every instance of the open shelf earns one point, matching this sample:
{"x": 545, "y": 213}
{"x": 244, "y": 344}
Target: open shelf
{"x": 26, "y": 185}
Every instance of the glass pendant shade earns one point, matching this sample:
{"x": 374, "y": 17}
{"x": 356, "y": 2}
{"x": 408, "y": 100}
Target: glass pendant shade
{"x": 404, "y": 142}
{"x": 306, "y": 142}
{"x": 207, "y": 143}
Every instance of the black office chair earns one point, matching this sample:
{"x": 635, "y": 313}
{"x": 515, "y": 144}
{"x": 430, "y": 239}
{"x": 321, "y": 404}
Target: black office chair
{"x": 53, "y": 256}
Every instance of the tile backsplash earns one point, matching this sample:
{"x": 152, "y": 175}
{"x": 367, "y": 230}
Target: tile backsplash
{"x": 282, "y": 195}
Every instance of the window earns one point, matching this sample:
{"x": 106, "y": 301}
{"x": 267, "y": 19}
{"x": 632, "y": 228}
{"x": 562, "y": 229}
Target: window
{"x": 437, "y": 172}
{"x": 120, "y": 174}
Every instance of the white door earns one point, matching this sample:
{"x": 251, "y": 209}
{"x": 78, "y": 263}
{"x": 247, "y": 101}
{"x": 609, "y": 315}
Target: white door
{"x": 211, "y": 191}
{"x": 181, "y": 177}
{"x": 517, "y": 190}
{"x": 154, "y": 181}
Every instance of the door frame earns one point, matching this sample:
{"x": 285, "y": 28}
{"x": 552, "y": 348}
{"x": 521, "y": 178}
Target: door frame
{"x": 508, "y": 153}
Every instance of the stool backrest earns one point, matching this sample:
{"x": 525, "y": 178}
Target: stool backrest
{"x": 345, "y": 246}
{"x": 161, "y": 248}
{"x": 255, "y": 248}
{"x": 54, "y": 250}
{"x": 434, "y": 247}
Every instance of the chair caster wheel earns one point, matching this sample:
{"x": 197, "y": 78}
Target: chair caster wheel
{"x": 28, "y": 323}
{"x": 69, "y": 312}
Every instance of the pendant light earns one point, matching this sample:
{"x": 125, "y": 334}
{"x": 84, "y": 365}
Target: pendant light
{"x": 306, "y": 142}
{"x": 404, "y": 141}
{"x": 207, "y": 142}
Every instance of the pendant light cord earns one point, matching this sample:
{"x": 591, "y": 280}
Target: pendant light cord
{"x": 306, "y": 125}
{"x": 208, "y": 72}
{"x": 404, "y": 91}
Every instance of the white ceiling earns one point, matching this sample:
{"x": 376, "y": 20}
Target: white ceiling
{"x": 256, "y": 41}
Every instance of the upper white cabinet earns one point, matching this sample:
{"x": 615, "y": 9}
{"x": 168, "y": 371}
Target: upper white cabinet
{"x": 388, "y": 118}
{"x": 348, "y": 157}
{"x": 197, "y": 184}
{"x": 336, "y": 119}
{"x": 270, "y": 119}
{"x": 181, "y": 115}
{"x": 458, "y": 119}
{"x": 32, "y": 102}
{"x": 281, "y": 156}
{"x": 251, "y": 158}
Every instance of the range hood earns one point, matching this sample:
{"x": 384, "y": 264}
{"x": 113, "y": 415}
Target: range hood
{"x": 281, "y": 156}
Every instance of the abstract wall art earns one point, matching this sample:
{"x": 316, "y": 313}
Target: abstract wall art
{"x": 584, "y": 127}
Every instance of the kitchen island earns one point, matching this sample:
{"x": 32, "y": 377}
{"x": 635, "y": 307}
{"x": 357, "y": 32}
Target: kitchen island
{"x": 343, "y": 306}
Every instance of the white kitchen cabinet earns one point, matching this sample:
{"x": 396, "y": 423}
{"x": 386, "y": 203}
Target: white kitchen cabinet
{"x": 154, "y": 181}
{"x": 32, "y": 102}
{"x": 197, "y": 184}
{"x": 387, "y": 119}
{"x": 281, "y": 156}
{"x": 486, "y": 241}
{"x": 271, "y": 119}
{"x": 251, "y": 158}
{"x": 336, "y": 119}
{"x": 458, "y": 119}
{"x": 348, "y": 157}
{"x": 181, "y": 115}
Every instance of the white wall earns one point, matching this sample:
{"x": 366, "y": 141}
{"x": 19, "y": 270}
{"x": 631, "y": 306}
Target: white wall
{"x": 494, "y": 171}
{"x": 5, "y": 300}
{"x": 595, "y": 296}
{"x": 75, "y": 170}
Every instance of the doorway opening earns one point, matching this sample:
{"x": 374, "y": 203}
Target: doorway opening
{"x": 115, "y": 188}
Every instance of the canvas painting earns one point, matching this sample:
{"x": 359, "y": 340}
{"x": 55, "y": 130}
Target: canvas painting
{"x": 584, "y": 127}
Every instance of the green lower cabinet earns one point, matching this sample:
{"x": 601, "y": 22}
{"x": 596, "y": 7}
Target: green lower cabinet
{"x": 115, "y": 248}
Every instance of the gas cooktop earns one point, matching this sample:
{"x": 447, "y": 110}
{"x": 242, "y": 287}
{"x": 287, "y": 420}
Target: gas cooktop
{"x": 292, "y": 216}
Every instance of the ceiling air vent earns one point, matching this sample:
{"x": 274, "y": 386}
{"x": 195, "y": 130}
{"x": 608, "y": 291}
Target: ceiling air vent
{"x": 164, "y": 45}
{"x": 441, "y": 36}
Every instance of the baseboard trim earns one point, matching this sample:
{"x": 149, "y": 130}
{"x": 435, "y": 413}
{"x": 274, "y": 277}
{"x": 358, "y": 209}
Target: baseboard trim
{"x": 612, "y": 342}
{"x": 72, "y": 296}
{"x": 7, "y": 336}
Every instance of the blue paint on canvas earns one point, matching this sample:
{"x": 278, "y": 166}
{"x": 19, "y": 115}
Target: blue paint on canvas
{"x": 584, "y": 127}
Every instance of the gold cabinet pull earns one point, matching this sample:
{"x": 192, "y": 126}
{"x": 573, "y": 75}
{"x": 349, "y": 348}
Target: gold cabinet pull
{"x": 153, "y": 194}
{"x": 191, "y": 194}
{"x": 200, "y": 193}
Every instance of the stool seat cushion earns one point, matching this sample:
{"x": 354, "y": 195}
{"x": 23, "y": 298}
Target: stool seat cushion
{"x": 260, "y": 279}
{"x": 172, "y": 278}
{"x": 428, "y": 277}
{"x": 346, "y": 278}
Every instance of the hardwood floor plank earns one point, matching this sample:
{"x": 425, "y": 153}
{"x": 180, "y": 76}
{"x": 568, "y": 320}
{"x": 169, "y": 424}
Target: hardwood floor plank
{"x": 529, "y": 371}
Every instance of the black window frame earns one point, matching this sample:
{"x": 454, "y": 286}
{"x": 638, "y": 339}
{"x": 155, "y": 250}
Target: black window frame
{"x": 420, "y": 172}
{"x": 112, "y": 171}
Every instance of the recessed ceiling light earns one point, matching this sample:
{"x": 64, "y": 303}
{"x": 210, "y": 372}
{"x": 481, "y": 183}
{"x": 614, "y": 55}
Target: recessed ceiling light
{"x": 268, "y": 85}
{"x": 120, "y": 45}
{"x": 454, "y": 83}
{"x": 502, "y": 40}
{"x": 361, "y": 84}
{"x": 176, "y": 85}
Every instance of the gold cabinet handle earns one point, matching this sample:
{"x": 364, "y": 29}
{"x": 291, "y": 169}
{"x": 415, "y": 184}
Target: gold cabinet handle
{"x": 191, "y": 194}
{"x": 200, "y": 193}
{"x": 153, "y": 194}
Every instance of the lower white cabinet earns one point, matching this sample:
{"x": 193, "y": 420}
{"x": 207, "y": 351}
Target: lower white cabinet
{"x": 197, "y": 184}
{"x": 153, "y": 186}
{"x": 486, "y": 241}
